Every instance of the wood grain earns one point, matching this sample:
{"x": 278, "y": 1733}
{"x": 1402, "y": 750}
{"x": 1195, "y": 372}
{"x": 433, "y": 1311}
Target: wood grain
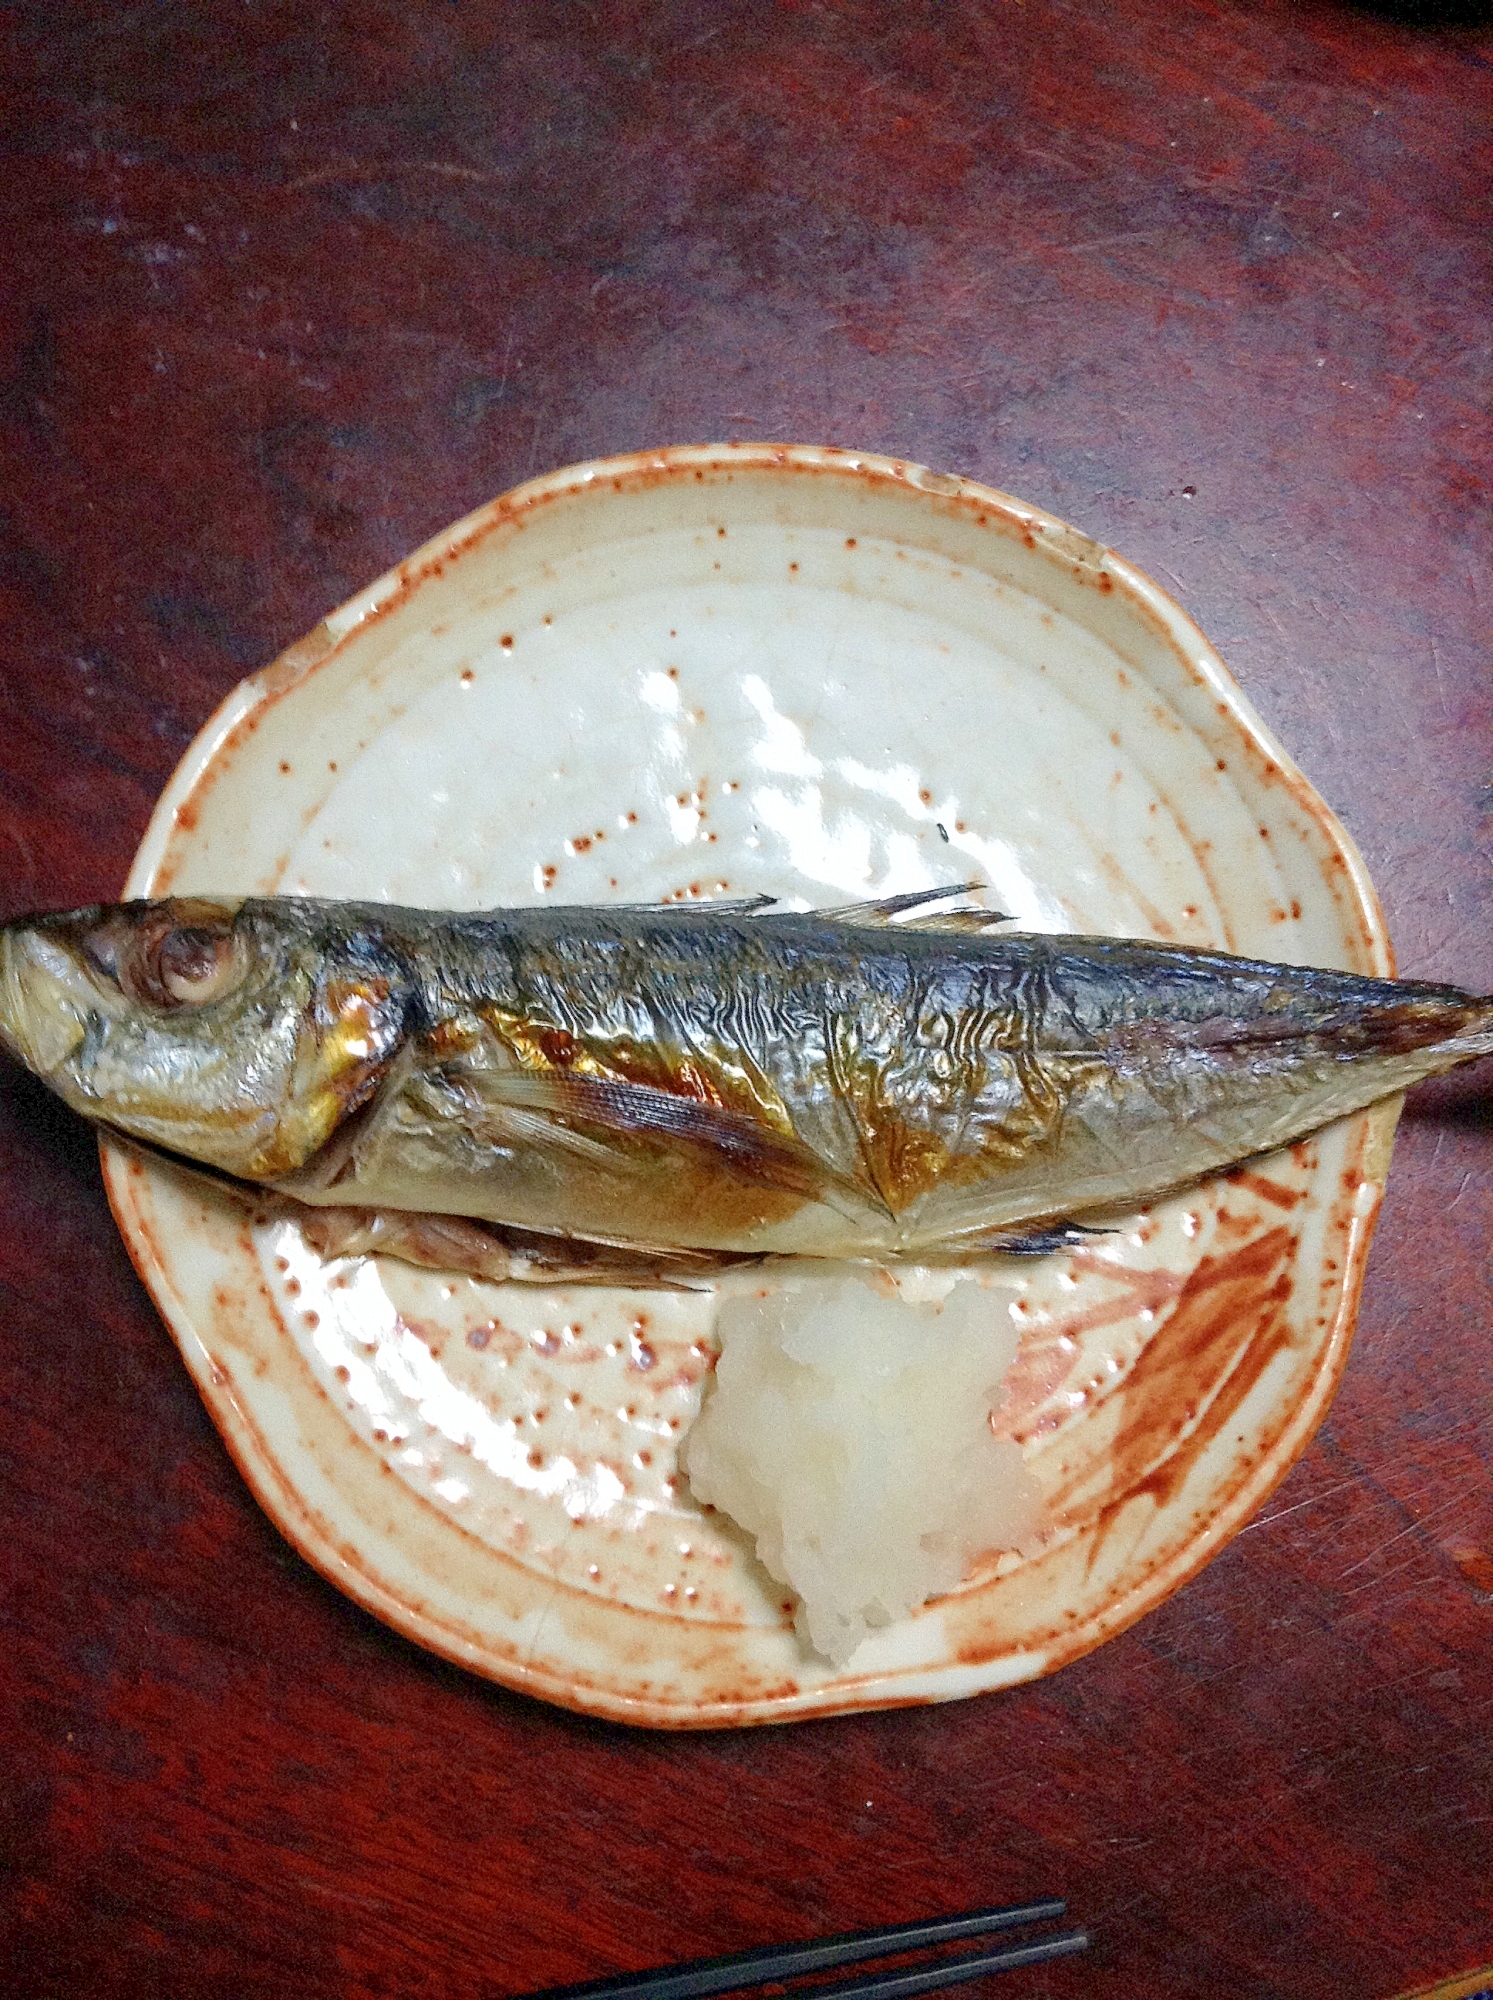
{"x": 287, "y": 289}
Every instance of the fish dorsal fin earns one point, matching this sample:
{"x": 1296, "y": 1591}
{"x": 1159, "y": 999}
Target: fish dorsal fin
{"x": 885, "y": 911}
{"x": 965, "y": 923}
{"x": 725, "y": 906}
{"x": 730, "y": 906}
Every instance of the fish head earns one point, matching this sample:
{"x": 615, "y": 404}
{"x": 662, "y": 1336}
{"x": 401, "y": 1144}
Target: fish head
{"x": 238, "y": 1032}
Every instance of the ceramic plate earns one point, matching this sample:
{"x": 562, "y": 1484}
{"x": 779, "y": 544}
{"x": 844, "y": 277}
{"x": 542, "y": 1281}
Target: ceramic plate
{"x": 708, "y": 672}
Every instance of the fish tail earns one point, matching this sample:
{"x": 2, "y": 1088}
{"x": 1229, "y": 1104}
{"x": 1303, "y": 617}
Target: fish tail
{"x": 1466, "y": 1032}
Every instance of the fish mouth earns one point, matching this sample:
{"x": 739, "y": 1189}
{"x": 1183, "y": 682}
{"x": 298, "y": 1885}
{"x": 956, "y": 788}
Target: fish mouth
{"x": 43, "y": 1015}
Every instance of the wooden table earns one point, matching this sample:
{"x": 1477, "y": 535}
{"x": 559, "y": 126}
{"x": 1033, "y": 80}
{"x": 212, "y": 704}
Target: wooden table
{"x": 285, "y": 290}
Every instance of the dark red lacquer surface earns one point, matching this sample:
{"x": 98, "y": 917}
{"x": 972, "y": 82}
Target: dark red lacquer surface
{"x": 286, "y": 289}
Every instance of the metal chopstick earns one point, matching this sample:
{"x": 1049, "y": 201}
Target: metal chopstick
{"x": 703, "y": 1977}
{"x": 934, "y": 1974}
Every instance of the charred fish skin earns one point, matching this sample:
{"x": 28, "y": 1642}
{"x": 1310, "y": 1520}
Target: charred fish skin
{"x": 953, "y": 1086}
{"x": 715, "y": 1079}
{"x": 1167, "y": 1065}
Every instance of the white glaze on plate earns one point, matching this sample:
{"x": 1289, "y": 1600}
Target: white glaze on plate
{"x": 715, "y": 671}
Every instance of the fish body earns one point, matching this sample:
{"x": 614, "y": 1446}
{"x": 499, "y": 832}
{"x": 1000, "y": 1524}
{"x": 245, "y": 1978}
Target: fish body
{"x": 715, "y": 1081}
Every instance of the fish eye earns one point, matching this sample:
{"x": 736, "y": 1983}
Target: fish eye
{"x": 194, "y": 964}
{"x": 171, "y": 957}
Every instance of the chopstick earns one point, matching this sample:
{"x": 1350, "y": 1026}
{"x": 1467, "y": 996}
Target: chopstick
{"x": 772, "y": 1963}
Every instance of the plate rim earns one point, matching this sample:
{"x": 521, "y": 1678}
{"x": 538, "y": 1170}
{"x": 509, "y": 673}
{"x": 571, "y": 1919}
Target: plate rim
{"x": 246, "y": 702}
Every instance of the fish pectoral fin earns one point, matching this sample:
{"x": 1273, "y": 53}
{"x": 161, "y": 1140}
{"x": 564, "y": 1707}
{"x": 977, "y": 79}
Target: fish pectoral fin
{"x": 884, "y": 911}
{"x": 521, "y": 1124}
{"x": 738, "y": 1145}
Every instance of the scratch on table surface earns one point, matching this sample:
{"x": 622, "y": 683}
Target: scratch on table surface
{"x": 1173, "y": 582}
{"x": 507, "y": 358}
{"x": 1050, "y": 159}
{"x": 722, "y": 110}
{"x": 335, "y": 1894}
{"x": 1279, "y": 628}
{"x": 1473, "y": 1421}
{"x": 1447, "y": 1809}
{"x": 1327, "y": 1533}
{"x": 378, "y": 170}
{"x": 1440, "y": 680}
{"x": 1435, "y": 1483}
{"x": 1107, "y": 242}
{"x": 18, "y": 835}
{"x": 1415, "y": 1527}
{"x": 531, "y": 462}
{"x": 1311, "y": 1500}
{"x": 1468, "y": 1179}
{"x": 1378, "y": 1550}
{"x": 1432, "y": 947}
{"x": 1382, "y": 1610}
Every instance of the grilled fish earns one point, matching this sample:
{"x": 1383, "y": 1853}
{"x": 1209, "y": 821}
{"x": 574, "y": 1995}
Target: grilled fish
{"x": 695, "y": 1084}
